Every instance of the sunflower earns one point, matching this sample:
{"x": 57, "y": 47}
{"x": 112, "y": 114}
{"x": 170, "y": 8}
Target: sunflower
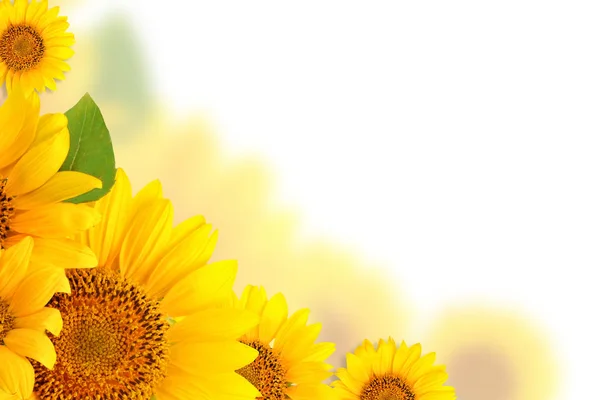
{"x": 34, "y": 45}
{"x": 32, "y": 149}
{"x": 119, "y": 337}
{"x": 25, "y": 288}
{"x": 289, "y": 363}
{"x": 391, "y": 373}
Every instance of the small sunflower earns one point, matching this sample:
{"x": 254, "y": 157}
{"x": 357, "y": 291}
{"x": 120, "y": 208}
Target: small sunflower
{"x": 32, "y": 149}
{"x": 25, "y": 288}
{"x": 391, "y": 373}
{"x": 119, "y": 338}
{"x": 289, "y": 363}
{"x": 34, "y": 45}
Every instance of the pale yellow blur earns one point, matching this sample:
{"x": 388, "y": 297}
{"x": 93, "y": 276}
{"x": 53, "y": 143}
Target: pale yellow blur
{"x": 494, "y": 354}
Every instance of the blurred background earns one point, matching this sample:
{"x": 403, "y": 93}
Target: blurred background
{"x": 427, "y": 171}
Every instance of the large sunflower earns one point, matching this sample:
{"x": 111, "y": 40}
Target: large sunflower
{"x": 391, "y": 373}
{"x": 32, "y": 149}
{"x": 289, "y": 363}
{"x": 24, "y": 291}
{"x": 119, "y": 339}
{"x": 33, "y": 45}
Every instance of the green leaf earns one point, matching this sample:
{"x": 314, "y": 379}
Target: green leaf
{"x": 91, "y": 150}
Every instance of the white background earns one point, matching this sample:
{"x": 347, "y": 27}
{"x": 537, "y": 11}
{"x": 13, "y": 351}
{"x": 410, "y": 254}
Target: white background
{"x": 455, "y": 142}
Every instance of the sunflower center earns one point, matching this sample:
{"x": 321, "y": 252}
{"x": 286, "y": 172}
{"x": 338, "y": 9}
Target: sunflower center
{"x": 6, "y": 212}
{"x": 113, "y": 343}
{"x": 387, "y": 387}
{"x": 21, "y": 47}
{"x": 6, "y": 321}
{"x": 265, "y": 373}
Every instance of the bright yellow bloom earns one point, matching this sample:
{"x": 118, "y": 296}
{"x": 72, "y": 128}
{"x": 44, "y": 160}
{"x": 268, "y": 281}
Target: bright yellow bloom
{"x": 289, "y": 364}
{"x": 119, "y": 339}
{"x": 34, "y": 45}
{"x": 391, "y": 372}
{"x": 32, "y": 149}
{"x": 25, "y": 288}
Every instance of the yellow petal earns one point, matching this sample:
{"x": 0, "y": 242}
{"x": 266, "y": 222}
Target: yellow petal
{"x": 413, "y": 354}
{"x": 148, "y": 196}
{"x": 385, "y": 357}
{"x": 16, "y": 374}
{"x": 180, "y": 386}
{"x": 231, "y": 386}
{"x": 48, "y": 126}
{"x": 46, "y": 319}
{"x": 366, "y": 348}
{"x": 19, "y": 9}
{"x": 357, "y": 369}
{"x": 400, "y": 358}
{"x": 62, "y": 53}
{"x": 213, "y": 325}
{"x": 13, "y": 267}
{"x": 341, "y": 392}
{"x": 204, "y": 288}
{"x": 148, "y": 238}
{"x": 32, "y": 344}
{"x": 420, "y": 367}
{"x": 38, "y": 164}
{"x": 254, "y": 299}
{"x": 55, "y": 220}
{"x": 34, "y": 11}
{"x": 431, "y": 381}
{"x": 348, "y": 382}
{"x": 48, "y": 17}
{"x": 298, "y": 344}
{"x": 274, "y": 315}
{"x": 106, "y": 238}
{"x": 190, "y": 253}
{"x": 64, "y": 40}
{"x": 311, "y": 392}
{"x": 63, "y": 253}
{"x": 295, "y": 322}
{"x": 15, "y": 143}
{"x": 12, "y": 115}
{"x": 61, "y": 186}
{"x": 184, "y": 229}
{"x": 216, "y": 357}
{"x": 443, "y": 393}
{"x": 320, "y": 352}
{"x": 307, "y": 372}
{"x": 36, "y": 290}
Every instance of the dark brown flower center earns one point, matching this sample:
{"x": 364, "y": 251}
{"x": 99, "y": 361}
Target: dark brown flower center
{"x": 113, "y": 344}
{"x": 21, "y": 47}
{"x": 387, "y": 387}
{"x": 6, "y": 321}
{"x": 266, "y": 372}
{"x": 6, "y": 212}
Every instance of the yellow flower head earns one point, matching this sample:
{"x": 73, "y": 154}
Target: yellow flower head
{"x": 289, "y": 364}
{"x": 25, "y": 288}
{"x": 392, "y": 373}
{"x": 32, "y": 149}
{"x": 33, "y": 45}
{"x": 120, "y": 339}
